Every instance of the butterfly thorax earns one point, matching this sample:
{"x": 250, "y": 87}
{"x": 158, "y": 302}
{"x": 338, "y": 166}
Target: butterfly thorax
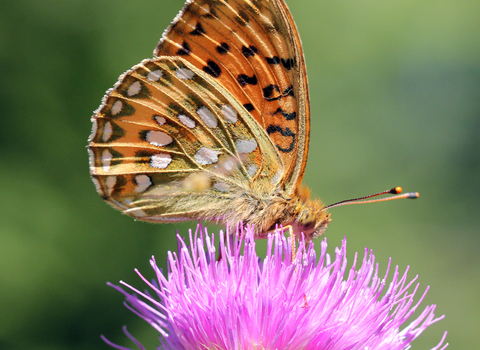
{"x": 298, "y": 210}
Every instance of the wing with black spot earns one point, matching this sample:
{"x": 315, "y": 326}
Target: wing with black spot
{"x": 251, "y": 48}
{"x": 170, "y": 143}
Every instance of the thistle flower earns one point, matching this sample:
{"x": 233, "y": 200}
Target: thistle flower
{"x": 280, "y": 302}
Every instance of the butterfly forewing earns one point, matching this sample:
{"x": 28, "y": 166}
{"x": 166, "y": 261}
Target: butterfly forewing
{"x": 252, "y": 49}
{"x": 170, "y": 143}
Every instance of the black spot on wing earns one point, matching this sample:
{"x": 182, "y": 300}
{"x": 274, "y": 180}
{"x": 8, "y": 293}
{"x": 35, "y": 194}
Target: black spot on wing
{"x": 273, "y": 60}
{"x": 244, "y": 79}
{"x": 269, "y": 90}
{"x": 288, "y": 91}
{"x": 249, "y": 107}
{"x": 288, "y": 63}
{"x": 249, "y": 51}
{"x": 223, "y": 48}
{"x": 185, "y": 50}
{"x": 288, "y": 116}
{"x": 287, "y": 132}
{"x": 272, "y": 92}
{"x": 198, "y": 30}
{"x": 212, "y": 68}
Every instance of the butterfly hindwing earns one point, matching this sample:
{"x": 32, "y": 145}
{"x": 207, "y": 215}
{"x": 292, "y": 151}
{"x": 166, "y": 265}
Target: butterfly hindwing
{"x": 170, "y": 143}
{"x": 252, "y": 49}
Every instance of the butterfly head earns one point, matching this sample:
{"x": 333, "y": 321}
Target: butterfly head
{"x": 311, "y": 218}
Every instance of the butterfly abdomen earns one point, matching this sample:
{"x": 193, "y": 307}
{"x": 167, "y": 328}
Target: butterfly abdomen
{"x": 267, "y": 213}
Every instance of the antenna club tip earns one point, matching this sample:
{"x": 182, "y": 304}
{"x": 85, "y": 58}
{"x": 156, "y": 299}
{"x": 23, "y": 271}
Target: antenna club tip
{"x": 413, "y": 195}
{"x": 396, "y": 190}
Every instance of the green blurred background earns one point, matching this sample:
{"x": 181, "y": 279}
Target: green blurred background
{"x": 395, "y": 90}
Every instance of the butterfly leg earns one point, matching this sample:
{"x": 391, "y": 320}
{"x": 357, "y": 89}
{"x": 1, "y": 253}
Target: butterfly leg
{"x": 292, "y": 240}
{"x": 224, "y": 240}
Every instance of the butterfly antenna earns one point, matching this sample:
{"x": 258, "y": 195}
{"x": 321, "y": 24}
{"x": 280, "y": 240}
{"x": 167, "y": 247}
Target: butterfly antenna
{"x": 362, "y": 200}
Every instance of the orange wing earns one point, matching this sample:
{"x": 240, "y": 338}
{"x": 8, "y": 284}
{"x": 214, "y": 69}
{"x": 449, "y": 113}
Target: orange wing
{"x": 169, "y": 143}
{"x": 252, "y": 49}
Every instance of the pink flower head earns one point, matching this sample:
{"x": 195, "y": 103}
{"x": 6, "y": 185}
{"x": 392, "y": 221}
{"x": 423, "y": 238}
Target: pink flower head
{"x": 246, "y": 303}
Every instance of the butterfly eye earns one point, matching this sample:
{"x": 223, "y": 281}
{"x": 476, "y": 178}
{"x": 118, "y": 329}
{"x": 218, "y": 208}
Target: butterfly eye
{"x": 306, "y": 221}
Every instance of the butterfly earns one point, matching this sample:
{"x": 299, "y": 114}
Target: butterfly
{"x": 215, "y": 126}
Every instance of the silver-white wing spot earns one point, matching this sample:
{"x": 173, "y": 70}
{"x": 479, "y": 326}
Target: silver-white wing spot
{"x": 160, "y": 120}
{"x": 252, "y": 170}
{"x": 91, "y": 161}
{"x": 229, "y": 113}
{"x": 117, "y": 107}
{"x": 94, "y": 129}
{"x": 276, "y": 177}
{"x": 158, "y": 138}
{"x": 205, "y": 156}
{"x": 246, "y": 146}
{"x": 134, "y": 88}
{"x": 160, "y": 160}
{"x": 221, "y": 186}
{"x": 110, "y": 182}
{"x": 97, "y": 186}
{"x": 207, "y": 117}
{"x": 143, "y": 182}
{"x": 188, "y": 122}
{"x": 106, "y": 160}
{"x": 155, "y": 75}
{"x": 107, "y": 131}
{"x": 184, "y": 73}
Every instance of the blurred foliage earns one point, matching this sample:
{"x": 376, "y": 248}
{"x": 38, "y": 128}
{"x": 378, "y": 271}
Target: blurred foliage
{"x": 395, "y": 101}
